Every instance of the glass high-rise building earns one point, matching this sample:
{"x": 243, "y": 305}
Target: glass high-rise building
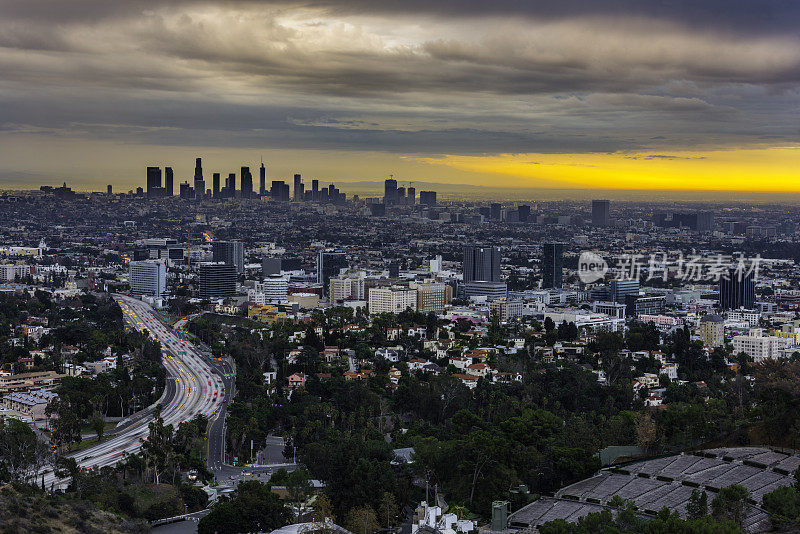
{"x": 328, "y": 266}
{"x": 230, "y": 252}
{"x": 737, "y": 289}
{"x": 390, "y": 192}
{"x": 552, "y": 265}
{"x": 199, "y": 184}
{"x": 481, "y": 264}
{"x": 217, "y": 280}
{"x": 601, "y": 210}
{"x": 169, "y": 185}
{"x": 153, "y": 181}
{"x": 247, "y": 182}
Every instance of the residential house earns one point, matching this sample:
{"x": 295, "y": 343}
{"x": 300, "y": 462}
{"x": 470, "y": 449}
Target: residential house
{"x": 297, "y": 380}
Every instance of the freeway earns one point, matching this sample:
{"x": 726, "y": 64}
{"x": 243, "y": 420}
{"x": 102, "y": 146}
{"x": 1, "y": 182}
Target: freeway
{"x": 193, "y": 387}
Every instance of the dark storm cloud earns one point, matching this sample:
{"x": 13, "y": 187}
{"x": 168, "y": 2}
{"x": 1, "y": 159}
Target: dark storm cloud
{"x": 427, "y": 77}
{"x": 739, "y": 15}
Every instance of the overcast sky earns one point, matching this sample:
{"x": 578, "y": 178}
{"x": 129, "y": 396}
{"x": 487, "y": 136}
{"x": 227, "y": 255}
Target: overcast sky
{"x": 513, "y": 93}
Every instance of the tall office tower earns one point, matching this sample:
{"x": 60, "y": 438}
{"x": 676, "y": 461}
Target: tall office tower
{"x": 262, "y": 180}
{"x": 685, "y": 220}
{"x": 323, "y": 195}
{"x": 315, "y": 190}
{"x": 215, "y": 185}
{"x": 600, "y": 212}
{"x": 147, "y": 278}
{"x": 737, "y": 289}
{"x": 333, "y": 193}
{"x": 496, "y": 211}
{"x": 401, "y": 195}
{"x": 328, "y": 266}
{"x": 199, "y": 184}
{"x": 186, "y": 190}
{"x": 552, "y": 264}
{"x": 427, "y": 197}
{"x": 231, "y": 185}
{"x": 231, "y": 252}
{"x": 216, "y": 280}
{"x": 109, "y": 189}
{"x": 298, "y": 188}
{"x": 390, "y": 192}
{"x": 168, "y": 182}
{"x": 524, "y": 212}
{"x": 705, "y": 221}
{"x": 279, "y": 191}
{"x": 481, "y": 264}
{"x": 153, "y": 181}
{"x": 411, "y": 196}
{"x": 247, "y": 182}
{"x": 620, "y": 289}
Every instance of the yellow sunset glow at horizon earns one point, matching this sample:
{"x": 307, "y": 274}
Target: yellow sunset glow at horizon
{"x": 772, "y": 169}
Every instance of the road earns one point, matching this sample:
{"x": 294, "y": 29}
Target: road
{"x": 194, "y": 386}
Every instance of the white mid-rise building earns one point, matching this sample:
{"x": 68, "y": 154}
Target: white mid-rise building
{"x": 274, "y": 288}
{"x": 11, "y": 271}
{"x": 392, "y": 299}
{"x": 147, "y": 278}
{"x": 345, "y": 288}
{"x": 758, "y": 346}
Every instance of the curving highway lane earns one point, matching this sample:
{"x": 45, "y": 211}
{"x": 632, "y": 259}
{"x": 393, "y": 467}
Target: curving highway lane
{"x": 193, "y": 387}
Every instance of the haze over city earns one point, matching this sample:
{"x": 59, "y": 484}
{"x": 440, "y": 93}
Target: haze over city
{"x": 603, "y": 95}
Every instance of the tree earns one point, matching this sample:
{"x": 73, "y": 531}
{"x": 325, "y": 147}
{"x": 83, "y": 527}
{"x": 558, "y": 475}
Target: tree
{"x": 362, "y": 520}
{"x": 388, "y": 509}
{"x": 298, "y": 486}
{"x": 697, "y": 506}
{"x": 21, "y": 452}
{"x": 730, "y": 503}
{"x": 253, "y": 507}
{"x": 783, "y": 507}
{"x": 323, "y": 509}
{"x": 157, "y": 448}
{"x": 98, "y": 425}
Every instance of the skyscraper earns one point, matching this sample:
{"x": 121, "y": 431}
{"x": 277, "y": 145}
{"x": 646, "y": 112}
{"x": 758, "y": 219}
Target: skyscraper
{"x": 153, "y": 181}
{"x": 298, "y": 188}
{"x": 552, "y": 263}
{"x": 279, "y": 191}
{"x": 215, "y": 184}
{"x": 168, "y": 182}
{"x": 247, "y": 182}
{"x": 496, "y": 211}
{"x": 411, "y": 196}
{"x": 427, "y": 197}
{"x": 524, "y": 212}
{"x": 481, "y": 264}
{"x": 315, "y": 190}
{"x": 217, "y": 280}
{"x": 262, "y": 180}
{"x": 620, "y": 289}
{"x": 230, "y": 252}
{"x": 231, "y": 185}
{"x": 109, "y": 189}
{"x": 390, "y": 192}
{"x": 147, "y": 278}
{"x": 328, "y": 265}
{"x": 737, "y": 289}
{"x": 600, "y": 212}
{"x": 705, "y": 221}
{"x": 199, "y": 184}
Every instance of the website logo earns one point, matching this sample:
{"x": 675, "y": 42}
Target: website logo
{"x": 591, "y": 267}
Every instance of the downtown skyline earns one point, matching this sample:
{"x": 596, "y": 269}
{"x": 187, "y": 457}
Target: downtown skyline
{"x": 617, "y": 95}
